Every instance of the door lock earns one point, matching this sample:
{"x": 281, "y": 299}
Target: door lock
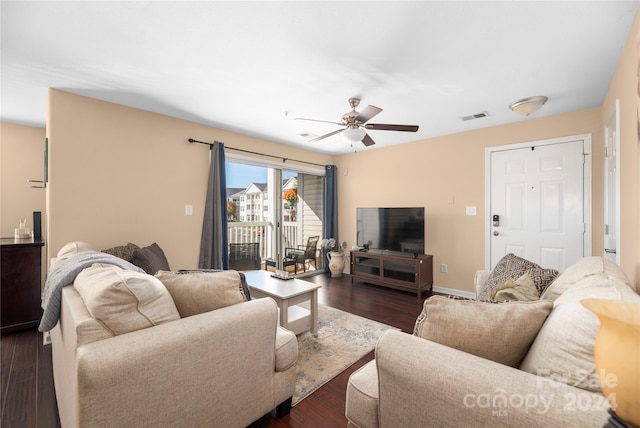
{"x": 496, "y": 221}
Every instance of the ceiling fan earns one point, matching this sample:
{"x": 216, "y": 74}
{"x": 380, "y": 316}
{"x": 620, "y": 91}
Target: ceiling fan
{"x": 355, "y": 124}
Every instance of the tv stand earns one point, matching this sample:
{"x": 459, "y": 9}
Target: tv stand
{"x": 403, "y": 271}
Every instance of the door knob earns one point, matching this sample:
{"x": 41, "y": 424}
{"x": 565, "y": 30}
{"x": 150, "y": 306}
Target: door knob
{"x": 496, "y": 233}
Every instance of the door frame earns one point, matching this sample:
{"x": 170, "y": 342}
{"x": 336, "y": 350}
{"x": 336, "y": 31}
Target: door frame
{"x": 275, "y": 202}
{"x": 586, "y": 177}
{"x": 614, "y": 117}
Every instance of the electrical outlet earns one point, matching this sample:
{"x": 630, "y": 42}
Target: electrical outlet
{"x": 188, "y": 210}
{"x": 443, "y": 268}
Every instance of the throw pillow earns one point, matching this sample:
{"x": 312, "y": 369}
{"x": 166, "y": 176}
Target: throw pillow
{"x": 68, "y": 250}
{"x": 542, "y": 278}
{"x": 501, "y": 332}
{"x": 595, "y": 268}
{"x": 125, "y": 252}
{"x": 151, "y": 259}
{"x": 123, "y": 300}
{"x": 563, "y": 349}
{"x": 243, "y": 279}
{"x": 509, "y": 267}
{"x": 522, "y": 289}
{"x": 198, "y": 292}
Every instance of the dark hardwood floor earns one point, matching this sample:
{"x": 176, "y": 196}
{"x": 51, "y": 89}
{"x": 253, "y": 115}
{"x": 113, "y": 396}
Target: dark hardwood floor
{"x": 28, "y": 398}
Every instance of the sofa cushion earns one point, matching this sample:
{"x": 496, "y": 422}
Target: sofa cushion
{"x": 198, "y": 292}
{"x": 501, "y": 332}
{"x": 151, "y": 259}
{"x": 125, "y": 252}
{"x": 513, "y": 267}
{"x": 124, "y": 300}
{"x": 362, "y": 396}
{"x": 522, "y": 288}
{"x": 593, "y": 269}
{"x": 563, "y": 349}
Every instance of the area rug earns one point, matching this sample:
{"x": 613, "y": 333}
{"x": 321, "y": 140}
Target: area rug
{"x": 342, "y": 339}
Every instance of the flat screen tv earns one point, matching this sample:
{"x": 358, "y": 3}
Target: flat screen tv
{"x": 392, "y": 229}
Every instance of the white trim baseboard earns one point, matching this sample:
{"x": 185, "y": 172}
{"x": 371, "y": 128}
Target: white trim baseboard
{"x": 454, "y": 292}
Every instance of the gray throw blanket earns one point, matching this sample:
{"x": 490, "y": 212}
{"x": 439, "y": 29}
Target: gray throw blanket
{"x": 64, "y": 274}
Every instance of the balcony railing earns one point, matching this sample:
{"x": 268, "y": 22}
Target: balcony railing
{"x": 260, "y": 231}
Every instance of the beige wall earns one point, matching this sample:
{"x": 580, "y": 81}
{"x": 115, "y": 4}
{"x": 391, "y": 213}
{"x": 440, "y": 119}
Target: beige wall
{"x": 626, "y": 87}
{"x": 445, "y": 175}
{"x": 119, "y": 175}
{"x": 21, "y": 159}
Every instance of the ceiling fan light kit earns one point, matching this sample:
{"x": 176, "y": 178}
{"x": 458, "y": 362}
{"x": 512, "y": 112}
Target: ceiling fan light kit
{"x": 354, "y": 134}
{"x": 355, "y": 126}
{"x": 528, "y": 106}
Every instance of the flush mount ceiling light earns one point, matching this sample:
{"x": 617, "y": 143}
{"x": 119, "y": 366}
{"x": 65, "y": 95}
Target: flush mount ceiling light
{"x": 354, "y": 134}
{"x": 528, "y": 106}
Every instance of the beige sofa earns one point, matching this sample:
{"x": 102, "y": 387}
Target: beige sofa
{"x": 415, "y": 382}
{"x": 223, "y": 367}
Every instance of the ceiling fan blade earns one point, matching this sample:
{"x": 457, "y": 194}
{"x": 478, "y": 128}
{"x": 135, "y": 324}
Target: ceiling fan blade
{"x": 316, "y": 120}
{"x": 322, "y": 137}
{"x": 368, "y": 113}
{"x": 368, "y": 141}
{"x": 387, "y": 127}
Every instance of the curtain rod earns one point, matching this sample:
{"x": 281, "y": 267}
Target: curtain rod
{"x": 191, "y": 140}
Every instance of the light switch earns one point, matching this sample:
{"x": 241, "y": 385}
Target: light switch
{"x": 472, "y": 211}
{"x": 188, "y": 210}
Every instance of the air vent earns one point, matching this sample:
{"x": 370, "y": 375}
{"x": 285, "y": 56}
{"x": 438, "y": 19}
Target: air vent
{"x": 475, "y": 116}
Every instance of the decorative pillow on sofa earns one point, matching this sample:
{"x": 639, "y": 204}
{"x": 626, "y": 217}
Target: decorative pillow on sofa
{"x": 563, "y": 349}
{"x": 125, "y": 252}
{"x": 592, "y": 269}
{"x": 501, "y": 332}
{"x": 512, "y": 267}
{"x": 522, "y": 289}
{"x": 151, "y": 259}
{"x": 70, "y": 249}
{"x": 124, "y": 300}
{"x": 201, "y": 291}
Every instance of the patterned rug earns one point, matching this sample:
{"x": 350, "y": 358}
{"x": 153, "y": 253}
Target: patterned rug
{"x": 342, "y": 339}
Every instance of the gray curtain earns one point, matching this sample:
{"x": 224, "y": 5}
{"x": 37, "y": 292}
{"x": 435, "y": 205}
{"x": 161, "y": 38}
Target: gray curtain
{"x": 214, "y": 243}
{"x": 330, "y": 207}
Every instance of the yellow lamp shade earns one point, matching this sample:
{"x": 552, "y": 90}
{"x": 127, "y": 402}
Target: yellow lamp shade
{"x": 617, "y": 355}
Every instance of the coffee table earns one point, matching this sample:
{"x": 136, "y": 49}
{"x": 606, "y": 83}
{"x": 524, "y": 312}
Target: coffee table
{"x": 287, "y": 294}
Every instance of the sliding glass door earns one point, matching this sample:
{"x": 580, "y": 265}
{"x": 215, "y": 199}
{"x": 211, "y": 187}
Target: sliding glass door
{"x": 273, "y": 213}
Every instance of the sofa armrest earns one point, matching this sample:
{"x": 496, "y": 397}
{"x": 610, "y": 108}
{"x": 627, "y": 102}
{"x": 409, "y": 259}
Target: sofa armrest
{"x": 424, "y": 381}
{"x": 479, "y": 279}
{"x": 286, "y": 349}
{"x": 198, "y": 362}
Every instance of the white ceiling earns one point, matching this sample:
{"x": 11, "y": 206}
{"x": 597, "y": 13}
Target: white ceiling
{"x": 252, "y": 67}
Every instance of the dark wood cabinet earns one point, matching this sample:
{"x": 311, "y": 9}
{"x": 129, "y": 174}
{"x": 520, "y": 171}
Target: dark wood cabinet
{"x": 403, "y": 271}
{"x": 20, "y": 283}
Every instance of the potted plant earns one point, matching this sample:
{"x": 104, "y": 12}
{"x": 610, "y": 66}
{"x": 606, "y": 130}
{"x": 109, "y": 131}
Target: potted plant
{"x": 335, "y": 255}
{"x": 291, "y": 196}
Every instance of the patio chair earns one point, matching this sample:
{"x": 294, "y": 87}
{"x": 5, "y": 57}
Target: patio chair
{"x": 304, "y": 254}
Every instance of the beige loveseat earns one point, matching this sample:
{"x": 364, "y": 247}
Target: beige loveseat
{"x": 180, "y": 365}
{"x": 415, "y": 382}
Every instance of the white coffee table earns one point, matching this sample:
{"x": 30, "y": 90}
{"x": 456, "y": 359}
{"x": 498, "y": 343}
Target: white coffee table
{"x": 287, "y": 294}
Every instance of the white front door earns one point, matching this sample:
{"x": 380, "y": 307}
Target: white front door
{"x": 611, "y": 187}
{"x": 536, "y": 203}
